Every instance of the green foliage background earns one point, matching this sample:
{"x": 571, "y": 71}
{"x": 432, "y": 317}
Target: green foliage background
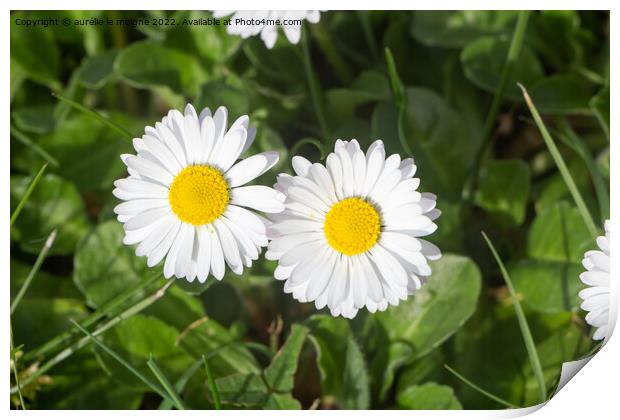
{"x": 450, "y": 64}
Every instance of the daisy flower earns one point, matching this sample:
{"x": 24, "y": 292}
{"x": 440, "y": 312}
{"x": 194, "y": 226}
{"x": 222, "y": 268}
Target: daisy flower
{"x": 350, "y": 234}
{"x": 596, "y": 298}
{"x": 247, "y": 23}
{"x": 184, "y": 198}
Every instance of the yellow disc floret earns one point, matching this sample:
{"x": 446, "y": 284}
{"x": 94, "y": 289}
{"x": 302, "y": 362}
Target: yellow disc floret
{"x": 198, "y": 194}
{"x": 352, "y": 226}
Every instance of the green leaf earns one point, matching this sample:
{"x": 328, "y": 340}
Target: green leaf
{"x": 89, "y": 152}
{"x": 47, "y": 285}
{"x": 562, "y": 94}
{"x": 242, "y": 388}
{"x": 103, "y": 266}
{"x": 341, "y": 363}
{"x": 429, "y": 396}
{"x": 504, "y": 188}
{"x": 600, "y": 106}
{"x": 483, "y": 59}
{"x": 37, "y": 119}
{"x": 280, "y": 374}
{"x": 96, "y": 71}
{"x": 215, "y": 94}
{"x": 135, "y": 340}
{"x": 53, "y": 204}
{"x": 422, "y": 321}
{"x": 281, "y": 402}
{"x": 150, "y": 64}
{"x": 559, "y": 234}
{"x": 37, "y": 320}
{"x": 226, "y": 353}
{"x": 548, "y": 286}
{"x": 36, "y": 52}
{"x": 18, "y": 75}
{"x": 457, "y": 28}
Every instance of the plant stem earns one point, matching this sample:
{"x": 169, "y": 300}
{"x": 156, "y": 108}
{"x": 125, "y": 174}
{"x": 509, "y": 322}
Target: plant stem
{"x": 315, "y": 89}
{"x": 25, "y": 140}
{"x": 525, "y": 329}
{"x": 27, "y": 194}
{"x": 559, "y": 161}
{"x": 62, "y": 355}
{"x": 362, "y": 15}
{"x": 326, "y": 44}
{"x": 14, "y": 359}
{"x": 298, "y": 145}
{"x": 165, "y": 383}
{"x": 106, "y": 308}
{"x": 34, "y": 270}
{"x": 400, "y": 99}
{"x": 180, "y": 384}
{"x": 514, "y": 51}
{"x": 215, "y": 394}
{"x": 480, "y": 390}
{"x": 95, "y": 115}
{"x": 568, "y": 136}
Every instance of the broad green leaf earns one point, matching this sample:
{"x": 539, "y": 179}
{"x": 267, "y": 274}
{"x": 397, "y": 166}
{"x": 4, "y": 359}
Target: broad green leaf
{"x": 38, "y": 119}
{"x": 340, "y": 361}
{"x": 89, "y": 152}
{"x": 559, "y": 234}
{"x": 243, "y": 389}
{"x": 223, "y": 291}
{"x": 177, "y": 308}
{"x": 504, "y": 188}
{"x": 96, "y": 71}
{"x": 150, "y": 64}
{"x": 36, "y": 320}
{"x": 216, "y": 94}
{"x": 226, "y": 353}
{"x": 557, "y": 37}
{"x": 483, "y": 61}
{"x": 430, "y": 368}
{"x": 45, "y": 285}
{"x": 548, "y": 286}
{"x": 429, "y": 396}
{"x": 69, "y": 390}
{"x": 36, "y": 52}
{"x": 53, "y": 204}
{"x": 104, "y": 267}
{"x": 280, "y": 374}
{"x": 562, "y": 94}
{"x": 135, "y": 339}
{"x": 281, "y": 402}
{"x": 422, "y": 320}
{"x": 457, "y": 28}
{"x": 17, "y": 75}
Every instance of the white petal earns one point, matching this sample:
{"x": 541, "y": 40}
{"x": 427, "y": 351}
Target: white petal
{"x": 251, "y": 168}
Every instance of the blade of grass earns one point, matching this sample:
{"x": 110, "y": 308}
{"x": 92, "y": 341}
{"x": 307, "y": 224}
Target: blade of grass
{"x": 180, "y": 384}
{"x": 165, "y": 383}
{"x": 123, "y": 362}
{"x": 514, "y": 50}
{"x": 34, "y": 270}
{"x": 569, "y": 137}
{"x": 70, "y": 350}
{"x": 29, "y": 191}
{"x": 109, "y": 308}
{"x": 215, "y": 393}
{"x": 399, "y": 94}
{"x": 480, "y": 390}
{"x": 559, "y": 161}
{"x": 525, "y": 329}
{"x": 25, "y": 140}
{"x": 14, "y": 360}
{"x": 315, "y": 88}
{"x": 95, "y": 115}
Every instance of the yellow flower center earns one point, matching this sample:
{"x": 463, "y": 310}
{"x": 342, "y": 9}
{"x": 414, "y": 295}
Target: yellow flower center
{"x": 199, "y": 194}
{"x": 352, "y": 226}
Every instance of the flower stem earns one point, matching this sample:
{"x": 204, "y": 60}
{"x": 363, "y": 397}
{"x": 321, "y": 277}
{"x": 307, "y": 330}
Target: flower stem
{"x": 525, "y": 329}
{"x": 34, "y": 270}
{"x": 559, "y": 161}
{"x": 215, "y": 393}
{"x": 27, "y": 194}
{"x": 298, "y": 145}
{"x": 480, "y": 390}
{"x": 514, "y": 51}
{"x": 400, "y": 99}
{"x": 315, "y": 89}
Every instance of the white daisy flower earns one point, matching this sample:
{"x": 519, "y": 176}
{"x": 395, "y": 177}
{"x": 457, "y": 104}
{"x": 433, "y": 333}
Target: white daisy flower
{"x": 247, "y": 23}
{"x": 184, "y": 199}
{"x": 350, "y": 234}
{"x": 596, "y": 298}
